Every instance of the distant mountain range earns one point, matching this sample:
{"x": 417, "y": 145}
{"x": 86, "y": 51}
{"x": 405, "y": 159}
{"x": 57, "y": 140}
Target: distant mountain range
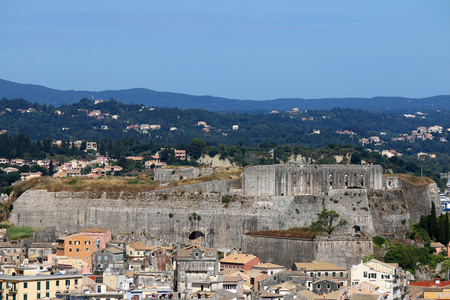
{"x": 42, "y": 94}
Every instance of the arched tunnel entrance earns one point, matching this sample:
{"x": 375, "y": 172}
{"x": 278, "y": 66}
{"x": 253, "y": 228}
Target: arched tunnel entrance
{"x": 196, "y": 237}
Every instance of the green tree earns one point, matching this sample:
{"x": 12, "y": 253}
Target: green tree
{"x": 445, "y": 267}
{"x": 195, "y": 148}
{"x": 446, "y": 230}
{"x": 51, "y": 168}
{"x": 403, "y": 255}
{"x": 328, "y": 221}
{"x": 433, "y": 229}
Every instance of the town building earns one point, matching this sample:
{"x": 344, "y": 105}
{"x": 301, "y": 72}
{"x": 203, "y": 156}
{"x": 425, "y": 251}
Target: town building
{"x": 27, "y": 284}
{"x": 76, "y": 246}
{"x": 197, "y": 270}
{"x": 384, "y": 275}
{"x": 239, "y": 261}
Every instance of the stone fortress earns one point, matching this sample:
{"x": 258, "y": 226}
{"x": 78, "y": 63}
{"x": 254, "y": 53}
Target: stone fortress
{"x": 274, "y": 197}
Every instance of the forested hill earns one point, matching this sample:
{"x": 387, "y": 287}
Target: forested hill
{"x": 44, "y": 95}
{"x": 313, "y": 128}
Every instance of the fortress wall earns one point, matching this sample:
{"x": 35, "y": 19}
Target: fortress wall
{"x": 164, "y": 214}
{"x": 150, "y": 212}
{"x": 343, "y": 251}
{"x": 290, "y": 180}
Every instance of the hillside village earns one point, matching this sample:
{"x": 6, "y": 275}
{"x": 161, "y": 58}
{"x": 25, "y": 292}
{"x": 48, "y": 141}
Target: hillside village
{"x": 91, "y": 264}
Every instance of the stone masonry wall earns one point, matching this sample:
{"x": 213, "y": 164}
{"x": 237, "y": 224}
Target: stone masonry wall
{"x": 343, "y": 251}
{"x": 290, "y": 180}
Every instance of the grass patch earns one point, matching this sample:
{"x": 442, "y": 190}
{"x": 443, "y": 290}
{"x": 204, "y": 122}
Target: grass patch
{"x": 18, "y": 232}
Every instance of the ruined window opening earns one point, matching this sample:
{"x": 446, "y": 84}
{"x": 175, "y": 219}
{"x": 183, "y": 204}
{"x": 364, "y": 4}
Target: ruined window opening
{"x": 331, "y": 180}
{"x": 346, "y": 180}
{"x": 362, "y": 180}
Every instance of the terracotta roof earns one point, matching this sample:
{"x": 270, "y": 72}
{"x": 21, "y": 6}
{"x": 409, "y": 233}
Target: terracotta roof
{"x": 138, "y": 245}
{"x": 229, "y": 271}
{"x": 319, "y": 267}
{"x": 365, "y": 297}
{"x": 333, "y": 295}
{"x": 253, "y": 273}
{"x": 429, "y": 283}
{"x": 307, "y": 294}
{"x": 437, "y": 245}
{"x": 114, "y": 250}
{"x": 327, "y": 278}
{"x": 238, "y": 258}
{"x": 268, "y": 266}
{"x": 95, "y": 230}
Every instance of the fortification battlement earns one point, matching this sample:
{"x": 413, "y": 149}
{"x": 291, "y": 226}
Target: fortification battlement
{"x": 300, "y": 179}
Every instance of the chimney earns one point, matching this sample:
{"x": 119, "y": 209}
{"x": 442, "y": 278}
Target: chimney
{"x": 437, "y": 281}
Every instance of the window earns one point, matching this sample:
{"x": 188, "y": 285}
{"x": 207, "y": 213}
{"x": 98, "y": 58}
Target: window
{"x": 38, "y": 285}
{"x": 106, "y": 257}
{"x": 77, "y": 242}
{"x": 70, "y": 249}
{"x": 138, "y": 253}
{"x": 47, "y": 285}
{"x": 311, "y": 274}
{"x": 47, "y": 295}
{"x": 57, "y": 282}
{"x": 25, "y": 285}
{"x": 25, "y": 297}
{"x": 274, "y": 277}
{"x": 87, "y": 242}
{"x": 318, "y": 274}
{"x": 328, "y": 286}
{"x": 153, "y": 254}
{"x": 67, "y": 281}
{"x": 342, "y": 274}
{"x": 77, "y": 250}
{"x": 326, "y": 273}
{"x": 439, "y": 295}
{"x": 70, "y": 242}
{"x": 38, "y": 295}
{"x": 365, "y": 275}
{"x": 334, "y": 274}
{"x": 318, "y": 286}
{"x": 87, "y": 249}
{"x": 160, "y": 254}
{"x": 446, "y": 295}
{"x": 76, "y": 281}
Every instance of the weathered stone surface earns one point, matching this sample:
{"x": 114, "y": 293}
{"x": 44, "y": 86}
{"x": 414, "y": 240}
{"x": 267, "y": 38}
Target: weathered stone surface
{"x": 343, "y": 251}
{"x": 168, "y": 214}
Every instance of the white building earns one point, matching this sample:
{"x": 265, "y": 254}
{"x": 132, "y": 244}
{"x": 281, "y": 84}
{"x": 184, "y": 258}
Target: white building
{"x": 384, "y": 275}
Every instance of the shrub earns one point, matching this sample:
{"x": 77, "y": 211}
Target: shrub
{"x": 170, "y": 215}
{"x": 378, "y": 241}
{"x": 226, "y": 199}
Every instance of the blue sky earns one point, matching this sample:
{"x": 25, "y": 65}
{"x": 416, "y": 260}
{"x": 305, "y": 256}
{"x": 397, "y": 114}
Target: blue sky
{"x": 236, "y": 49}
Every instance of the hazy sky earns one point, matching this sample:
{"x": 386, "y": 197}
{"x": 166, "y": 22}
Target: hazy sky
{"x": 235, "y": 49}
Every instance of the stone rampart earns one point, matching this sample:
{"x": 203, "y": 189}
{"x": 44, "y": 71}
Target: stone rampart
{"x": 168, "y": 214}
{"x": 300, "y": 179}
{"x": 166, "y": 175}
{"x": 343, "y": 251}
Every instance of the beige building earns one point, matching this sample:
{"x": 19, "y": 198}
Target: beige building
{"x": 385, "y": 275}
{"x": 25, "y": 284}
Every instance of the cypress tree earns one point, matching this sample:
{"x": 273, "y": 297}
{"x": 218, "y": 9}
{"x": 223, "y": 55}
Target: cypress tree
{"x": 446, "y": 230}
{"x": 441, "y": 230}
{"x": 50, "y": 168}
{"x": 433, "y": 222}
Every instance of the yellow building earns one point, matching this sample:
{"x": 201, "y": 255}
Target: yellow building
{"x": 26, "y": 284}
{"x": 437, "y": 293}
